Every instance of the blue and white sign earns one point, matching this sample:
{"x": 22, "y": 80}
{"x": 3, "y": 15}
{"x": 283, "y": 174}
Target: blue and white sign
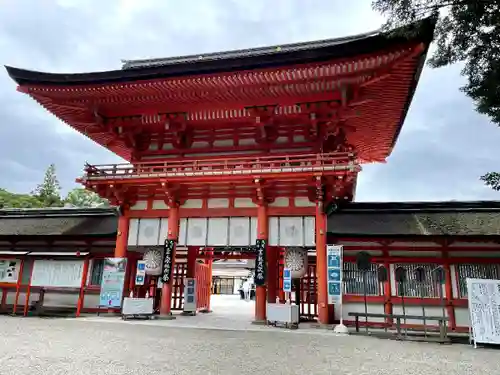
{"x": 334, "y": 273}
{"x": 140, "y": 274}
{"x": 287, "y": 280}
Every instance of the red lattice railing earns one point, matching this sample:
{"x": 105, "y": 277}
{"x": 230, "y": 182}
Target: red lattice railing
{"x": 203, "y": 286}
{"x": 330, "y": 162}
{"x": 180, "y": 270}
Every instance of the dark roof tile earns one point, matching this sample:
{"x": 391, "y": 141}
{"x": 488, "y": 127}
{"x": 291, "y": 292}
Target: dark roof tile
{"x": 58, "y": 222}
{"x": 417, "y": 219}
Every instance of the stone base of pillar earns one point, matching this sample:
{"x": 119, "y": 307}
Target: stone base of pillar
{"x": 341, "y": 329}
{"x": 259, "y": 322}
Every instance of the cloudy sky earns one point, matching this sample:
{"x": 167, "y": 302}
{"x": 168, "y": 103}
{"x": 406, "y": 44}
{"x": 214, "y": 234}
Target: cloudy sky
{"x": 443, "y": 149}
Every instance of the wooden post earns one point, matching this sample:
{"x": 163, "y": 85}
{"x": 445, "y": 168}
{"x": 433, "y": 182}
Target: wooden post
{"x": 272, "y": 274}
{"x": 260, "y": 291}
{"x": 323, "y": 313}
{"x": 448, "y": 295}
{"x": 173, "y": 234}
{"x": 132, "y": 259}
{"x": 209, "y": 261}
{"x": 280, "y": 266}
{"x": 81, "y": 296}
{"x": 122, "y": 237}
{"x": 192, "y": 255}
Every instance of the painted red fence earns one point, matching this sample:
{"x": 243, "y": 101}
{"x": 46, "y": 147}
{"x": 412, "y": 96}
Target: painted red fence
{"x": 203, "y": 286}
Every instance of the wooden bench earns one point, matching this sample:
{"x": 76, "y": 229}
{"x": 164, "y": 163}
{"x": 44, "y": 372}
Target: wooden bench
{"x": 443, "y": 333}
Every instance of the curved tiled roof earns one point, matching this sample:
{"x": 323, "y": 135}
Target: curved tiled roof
{"x": 250, "y": 52}
{"x": 250, "y": 59}
{"x": 417, "y": 219}
{"x": 82, "y": 222}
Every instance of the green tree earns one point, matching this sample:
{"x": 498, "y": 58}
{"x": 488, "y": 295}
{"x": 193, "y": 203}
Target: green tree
{"x": 467, "y": 31}
{"x": 84, "y": 198}
{"x": 12, "y": 200}
{"x": 49, "y": 191}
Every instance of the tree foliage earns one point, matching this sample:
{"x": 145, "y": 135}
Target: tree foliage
{"x": 12, "y": 200}
{"x": 48, "y": 194}
{"x": 467, "y": 31}
{"x": 84, "y": 198}
{"x": 492, "y": 179}
{"x": 49, "y": 191}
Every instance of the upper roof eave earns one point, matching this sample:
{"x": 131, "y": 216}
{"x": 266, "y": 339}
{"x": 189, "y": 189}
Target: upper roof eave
{"x": 421, "y": 31}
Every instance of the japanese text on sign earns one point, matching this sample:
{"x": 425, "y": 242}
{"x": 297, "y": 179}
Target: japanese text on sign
{"x": 167, "y": 260}
{"x": 260, "y": 263}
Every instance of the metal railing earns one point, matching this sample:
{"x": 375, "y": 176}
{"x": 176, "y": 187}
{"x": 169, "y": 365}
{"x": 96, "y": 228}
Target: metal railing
{"x": 231, "y": 166}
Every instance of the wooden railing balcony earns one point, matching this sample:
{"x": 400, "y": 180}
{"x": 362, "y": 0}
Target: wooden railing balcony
{"x": 231, "y": 167}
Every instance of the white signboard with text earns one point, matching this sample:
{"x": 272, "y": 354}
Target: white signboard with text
{"x": 484, "y": 309}
{"x": 9, "y": 270}
{"x": 57, "y": 273}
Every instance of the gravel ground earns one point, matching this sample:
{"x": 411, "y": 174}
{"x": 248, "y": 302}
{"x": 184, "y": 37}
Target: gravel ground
{"x": 57, "y": 346}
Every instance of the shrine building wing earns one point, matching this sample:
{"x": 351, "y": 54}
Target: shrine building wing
{"x": 449, "y": 219}
{"x": 349, "y": 94}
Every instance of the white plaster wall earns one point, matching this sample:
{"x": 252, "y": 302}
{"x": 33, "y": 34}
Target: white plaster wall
{"x": 193, "y": 203}
{"x": 139, "y": 206}
{"x": 303, "y": 202}
{"x": 280, "y": 202}
{"x": 462, "y": 317}
{"x": 159, "y": 205}
{"x": 218, "y": 203}
{"x": 244, "y": 203}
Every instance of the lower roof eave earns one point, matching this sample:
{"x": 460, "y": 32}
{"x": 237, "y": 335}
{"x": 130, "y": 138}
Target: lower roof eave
{"x": 417, "y": 237}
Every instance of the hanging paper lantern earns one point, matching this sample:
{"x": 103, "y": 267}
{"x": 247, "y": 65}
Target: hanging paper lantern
{"x": 153, "y": 260}
{"x": 296, "y": 261}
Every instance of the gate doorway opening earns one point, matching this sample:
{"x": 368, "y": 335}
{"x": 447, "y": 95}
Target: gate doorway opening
{"x": 232, "y": 273}
{"x": 220, "y": 274}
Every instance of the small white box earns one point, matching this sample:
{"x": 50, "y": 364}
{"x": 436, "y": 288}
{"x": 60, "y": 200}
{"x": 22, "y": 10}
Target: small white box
{"x": 283, "y": 313}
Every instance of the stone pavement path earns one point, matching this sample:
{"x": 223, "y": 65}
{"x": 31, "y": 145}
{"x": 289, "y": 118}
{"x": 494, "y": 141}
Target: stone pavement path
{"x": 58, "y": 346}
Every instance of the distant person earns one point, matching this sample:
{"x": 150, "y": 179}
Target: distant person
{"x": 246, "y": 290}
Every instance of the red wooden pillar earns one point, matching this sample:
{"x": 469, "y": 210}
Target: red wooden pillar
{"x": 122, "y": 237}
{"x": 281, "y": 266}
{"x": 323, "y": 313}
{"x": 448, "y": 289}
{"x": 191, "y": 262}
{"x": 81, "y": 295}
{"x": 173, "y": 234}
{"x": 132, "y": 259}
{"x": 388, "y": 293}
{"x": 209, "y": 261}
{"x": 272, "y": 273}
{"x": 260, "y": 291}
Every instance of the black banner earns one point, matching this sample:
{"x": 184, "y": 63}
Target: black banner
{"x": 260, "y": 263}
{"x": 168, "y": 253}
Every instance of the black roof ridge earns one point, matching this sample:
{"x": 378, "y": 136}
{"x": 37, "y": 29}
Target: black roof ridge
{"x": 421, "y": 31}
{"x": 57, "y": 212}
{"x": 421, "y": 206}
{"x": 238, "y": 53}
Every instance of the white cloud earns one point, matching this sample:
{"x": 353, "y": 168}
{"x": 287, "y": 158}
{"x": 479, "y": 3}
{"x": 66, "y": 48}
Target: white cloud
{"x": 443, "y": 149}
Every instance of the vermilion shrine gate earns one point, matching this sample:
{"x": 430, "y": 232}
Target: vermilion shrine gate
{"x": 227, "y": 148}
